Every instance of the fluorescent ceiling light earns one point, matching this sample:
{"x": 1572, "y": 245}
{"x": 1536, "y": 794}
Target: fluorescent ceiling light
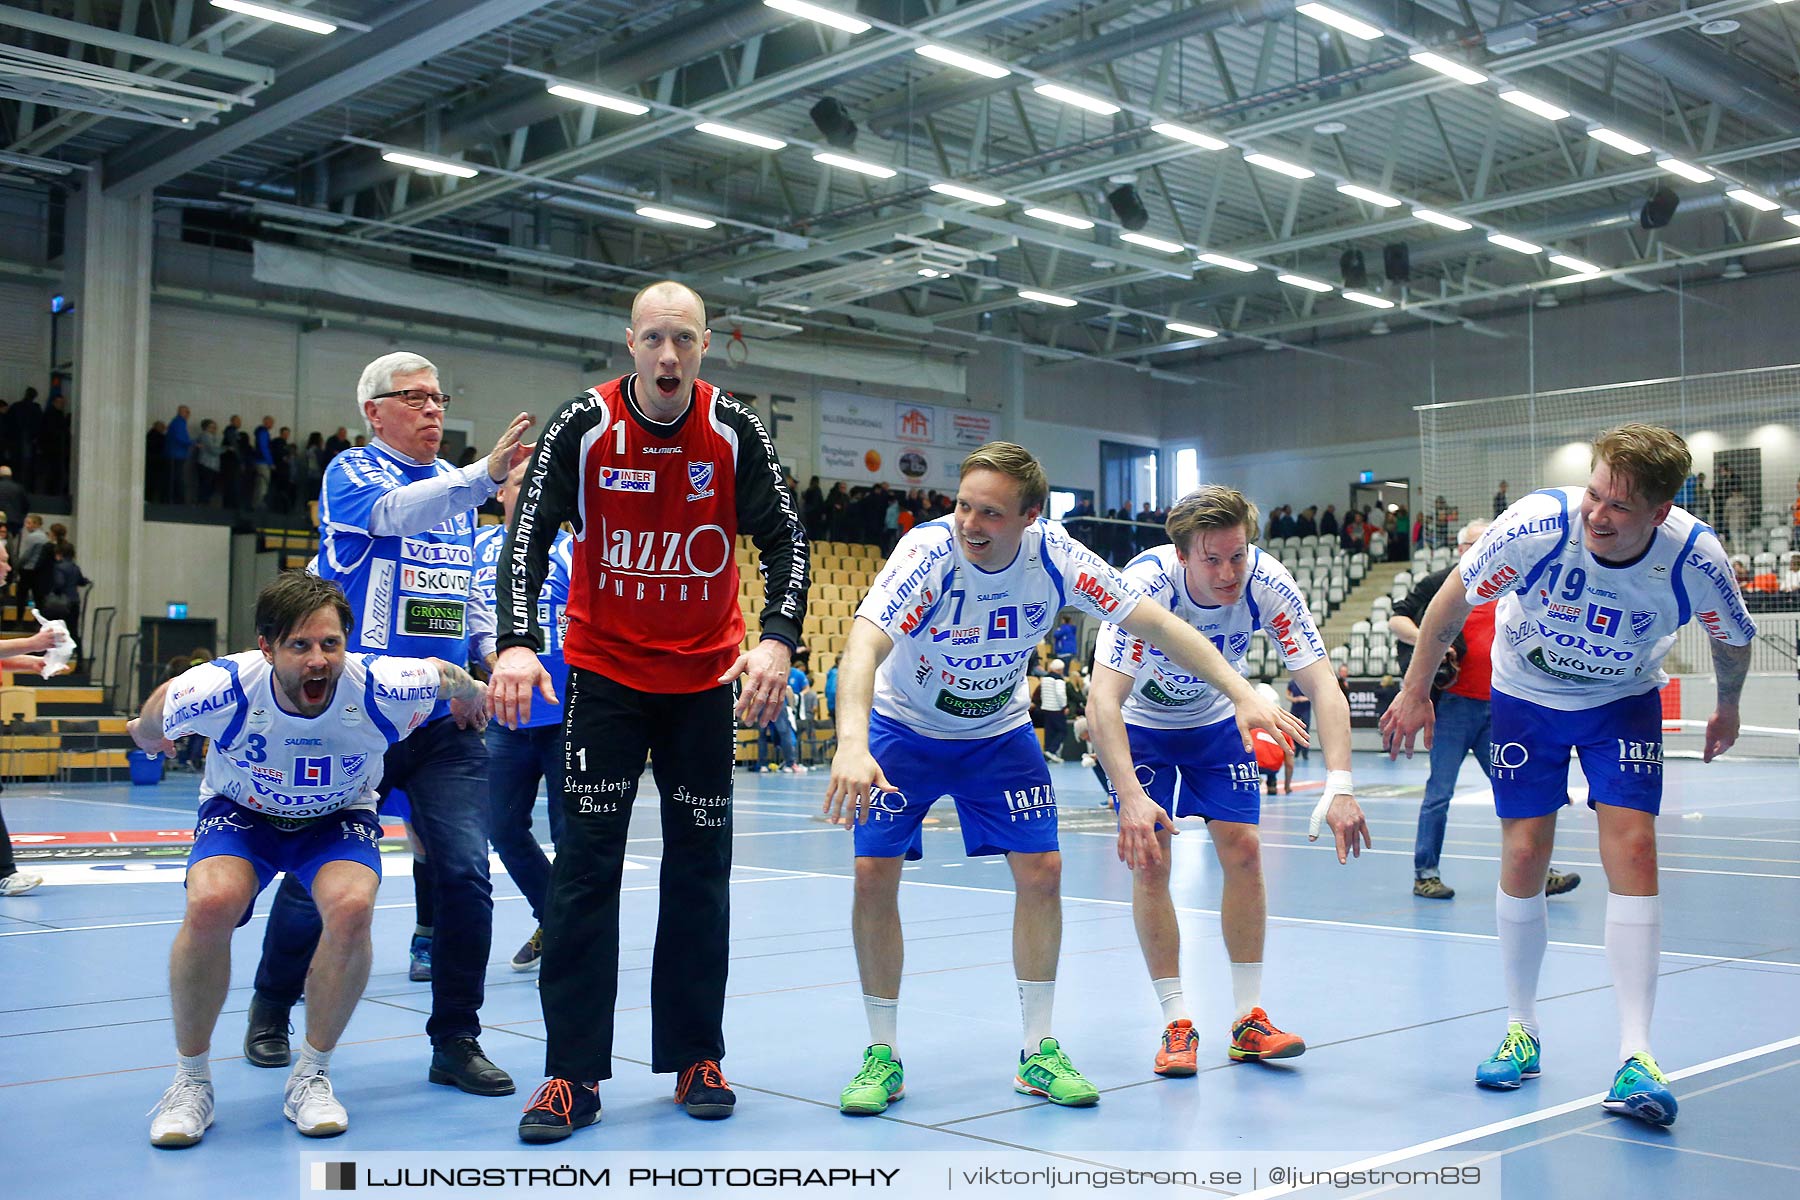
{"x": 434, "y": 166}
{"x": 1687, "y": 171}
{"x": 1617, "y": 140}
{"x": 1047, "y": 298}
{"x": 1182, "y": 133}
{"x": 1190, "y": 330}
{"x": 730, "y": 133}
{"x": 1746, "y": 196}
{"x": 1270, "y": 163}
{"x": 672, "y": 217}
{"x": 985, "y": 199}
{"x": 1340, "y": 22}
{"x": 929, "y": 272}
{"x": 1232, "y": 264}
{"x": 1366, "y": 298}
{"x": 1154, "y": 243}
{"x": 1093, "y": 104}
{"x": 1444, "y": 219}
{"x": 824, "y": 16}
{"x": 1578, "y": 277}
{"x": 856, "y": 164}
{"x": 1510, "y": 242}
{"x": 968, "y": 62}
{"x": 569, "y": 91}
{"x": 1791, "y": 218}
{"x": 1303, "y": 281}
{"x": 1532, "y": 104}
{"x": 1579, "y": 265}
{"x": 1359, "y": 192}
{"x": 280, "y": 16}
{"x": 31, "y": 162}
{"x": 1059, "y": 218}
{"x": 1448, "y": 66}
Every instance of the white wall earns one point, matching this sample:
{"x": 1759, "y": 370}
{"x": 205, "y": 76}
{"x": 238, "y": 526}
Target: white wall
{"x": 191, "y": 563}
{"x": 1321, "y": 475}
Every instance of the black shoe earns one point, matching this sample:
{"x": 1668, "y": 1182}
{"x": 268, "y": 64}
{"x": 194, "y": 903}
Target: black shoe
{"x": 1558, "y": 882}
{"x": 266, "y": 1040}
{"x": 460, "y": 1063}
{"x": 557, "y": 1109}
{"x": 702, "y": 1090}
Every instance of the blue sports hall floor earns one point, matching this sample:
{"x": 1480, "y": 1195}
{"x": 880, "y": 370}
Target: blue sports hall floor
{"x": 1398, "y": 999}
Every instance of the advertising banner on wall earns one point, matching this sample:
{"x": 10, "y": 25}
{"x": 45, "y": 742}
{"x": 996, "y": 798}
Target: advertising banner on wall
{"x": 871, "y": 439}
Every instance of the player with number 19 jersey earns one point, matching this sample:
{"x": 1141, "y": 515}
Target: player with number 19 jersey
{"x": 289, "y": 767}
{"x": 1573, "y": 631}
{"x": 964, "y": 637}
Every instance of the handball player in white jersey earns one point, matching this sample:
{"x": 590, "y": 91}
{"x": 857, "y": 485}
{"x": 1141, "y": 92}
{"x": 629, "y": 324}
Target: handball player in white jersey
{"x": 1180, "y": 731}
{"x": 932, "y": 702}
{"x": 1593, "y": 583}
{"x": 298, "y": 730}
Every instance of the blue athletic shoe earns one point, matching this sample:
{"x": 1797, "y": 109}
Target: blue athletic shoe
{"x": 1639, "y": 1090}
{"x": 418, "y": 959}
{"x": 1515, "y": 1060}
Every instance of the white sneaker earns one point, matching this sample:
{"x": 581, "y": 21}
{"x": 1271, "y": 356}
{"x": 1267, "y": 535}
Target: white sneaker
{"x": 312, "y": 1108}
{"x": 798, "y": 768}
{"x": 18, "y": 883}
{"x": 180, "y": 1118}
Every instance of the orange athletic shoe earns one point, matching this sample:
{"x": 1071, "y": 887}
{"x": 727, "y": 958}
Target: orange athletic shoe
{"x": 1176, "y": 1055}
{"x": 1255, "y": 1038}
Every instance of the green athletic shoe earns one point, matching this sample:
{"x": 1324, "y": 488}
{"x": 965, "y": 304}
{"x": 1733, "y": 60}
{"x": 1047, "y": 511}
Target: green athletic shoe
{"x": 1050, "y": 1074}
{"x": 1640, "y": 1090}
{"x": 881, "y": 1081}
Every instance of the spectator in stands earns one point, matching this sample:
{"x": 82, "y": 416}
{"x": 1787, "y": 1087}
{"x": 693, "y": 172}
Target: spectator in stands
{"x": 1065, "y": 636}
{"x": 234, "y": 453}
{"x": 831, "y": 692}
{"x": 1790, "y": 575}
{"x": 1285, "y": 524}
{"x": 156, "y": 474}
{"x": 1738, "y": 523}
{"x": 837, "y": 511}
{"x": 34, "y": 557}
{"x": 1273, "y": 530}
{"x": 206, "y": 460}
{"x": 1328, "y": 523}
{"x": 15, "y": 502}
{"x": 178, "y": 444}
{"x": 15, "y": 656}
{"x": 55, "y": 441}
{"x": 262, "y": 461}
{"x": 1740, "y": 567}
{"x": 1797, "y": 510}
{"x": 1500, "y": 500}
{"x": 1053, "y": 701}
{"x": 312, "y": 466}
{"x": 1307, "y": 524}
{"x": 27, "y": 418}
{"x": 1355, "y": 538}
{"x": 281, "y": 487}
{"x": 336, "y": 444}
{"x": 812, "y": 510}
{"x": 890, "y": 523}
{"x": 1300, "y": 704}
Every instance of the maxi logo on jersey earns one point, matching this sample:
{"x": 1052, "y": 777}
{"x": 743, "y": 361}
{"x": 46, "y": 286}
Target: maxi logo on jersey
{"x": 1282, "y": 627}
{"x": 1104, "y": 599}
{"x": 1497, "y": 583}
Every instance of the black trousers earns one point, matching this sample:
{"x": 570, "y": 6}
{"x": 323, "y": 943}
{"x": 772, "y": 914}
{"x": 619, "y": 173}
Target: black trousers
{"x": 609, "y": 730}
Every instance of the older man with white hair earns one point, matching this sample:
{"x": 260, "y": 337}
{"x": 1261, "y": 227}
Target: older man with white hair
{"x": 396, "y": 533}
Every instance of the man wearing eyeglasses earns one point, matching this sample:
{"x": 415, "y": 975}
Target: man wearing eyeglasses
{"x": 397, "y": 532}
{"x": 658, "y": 471}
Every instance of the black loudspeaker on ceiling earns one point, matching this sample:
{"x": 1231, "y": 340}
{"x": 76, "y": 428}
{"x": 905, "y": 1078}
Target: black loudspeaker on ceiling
{"x": 1396, "y": 262}
{"x": 1354, "y": 270}
{"x": 1128, "y": 206}
{"x": 1659, "y": 209}
{"x": 833, "y": 120}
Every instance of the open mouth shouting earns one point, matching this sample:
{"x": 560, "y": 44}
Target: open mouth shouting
{"x": 668, "y": 386}
{"x": 315, "y": 690}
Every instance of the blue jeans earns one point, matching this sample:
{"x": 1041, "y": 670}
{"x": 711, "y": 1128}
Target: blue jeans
{"x": 778, "y": 732}
{"x": 517, "y": 759}
{"x": 444, "y": 771}
{"x": 1462, "y": 727}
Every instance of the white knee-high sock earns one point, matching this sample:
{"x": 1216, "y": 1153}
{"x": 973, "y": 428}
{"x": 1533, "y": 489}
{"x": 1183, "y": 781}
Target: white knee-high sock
{"x": 1633, "y": 951}
{"x": 884, "y": 1021}
{"x": 1036, "y": 999}
{"x": 1524, "y": 925}
{"x": 1246, "y": 987}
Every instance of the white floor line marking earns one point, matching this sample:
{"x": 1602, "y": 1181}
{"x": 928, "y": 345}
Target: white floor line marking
{"x": 1531, "y": 1118}
{"x": 1755, "y": 1162}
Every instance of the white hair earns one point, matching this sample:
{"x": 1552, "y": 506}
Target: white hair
{"x": 378, "y": 377}
{"x": 1471, "y": 533}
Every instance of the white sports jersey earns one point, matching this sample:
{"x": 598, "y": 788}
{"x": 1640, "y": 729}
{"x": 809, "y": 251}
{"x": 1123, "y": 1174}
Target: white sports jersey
{"x": 964, "y": 637}
{"x": 283, "y": 765}
{"x": 1164, "y": 695}
{"x": 1573, "y": 632}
